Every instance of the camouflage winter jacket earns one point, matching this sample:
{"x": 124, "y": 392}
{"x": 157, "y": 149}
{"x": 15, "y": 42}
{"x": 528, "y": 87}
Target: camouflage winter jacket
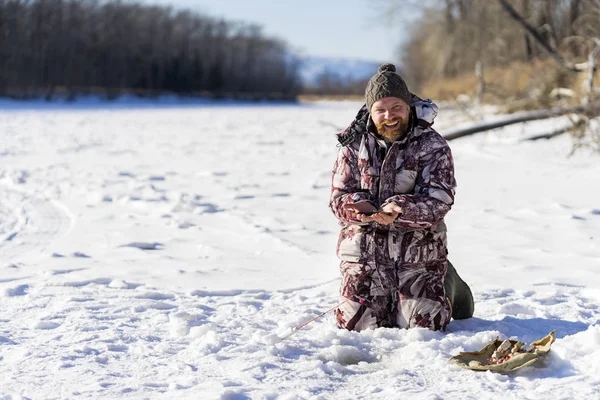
{"x": 416, "y": 172}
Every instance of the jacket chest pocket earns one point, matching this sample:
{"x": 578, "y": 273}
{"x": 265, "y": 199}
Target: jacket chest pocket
{"x": 405, "y": 181}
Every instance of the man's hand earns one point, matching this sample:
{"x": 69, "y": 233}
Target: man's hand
{"x": 363, "y": 210}
{"x": 388, "y": 214}
{"x": 362, "y": 207}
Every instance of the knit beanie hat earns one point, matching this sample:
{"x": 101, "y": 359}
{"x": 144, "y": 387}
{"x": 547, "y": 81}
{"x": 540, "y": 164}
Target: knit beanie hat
{"x": 386, "y": 83}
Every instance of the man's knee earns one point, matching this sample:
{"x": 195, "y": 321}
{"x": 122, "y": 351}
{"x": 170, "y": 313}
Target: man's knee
{"x": 369, "y": 313}
{"x": 423, "y": 313}
{"x": 355, "y": 316}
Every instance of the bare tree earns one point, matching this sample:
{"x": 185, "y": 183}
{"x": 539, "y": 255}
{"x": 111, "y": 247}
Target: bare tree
{"x": 462, "y": 32}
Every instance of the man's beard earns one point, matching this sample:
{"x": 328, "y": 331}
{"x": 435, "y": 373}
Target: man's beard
{"x": 392, "y": 135}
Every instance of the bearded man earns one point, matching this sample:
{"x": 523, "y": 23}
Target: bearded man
{"x": 393, "y": 183}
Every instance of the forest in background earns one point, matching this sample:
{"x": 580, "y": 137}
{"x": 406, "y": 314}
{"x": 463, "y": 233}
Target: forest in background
{"x": 452, "y": 38}
{"x": 71, "y": 47}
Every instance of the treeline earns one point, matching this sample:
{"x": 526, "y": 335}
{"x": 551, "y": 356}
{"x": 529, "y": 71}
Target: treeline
{"x": 453, "y": 35}
{"x": 331, "y": 82}
{"x": 115, "y": 47}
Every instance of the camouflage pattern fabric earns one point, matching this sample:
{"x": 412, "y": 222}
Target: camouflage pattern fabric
{"x": 393, "y": 275}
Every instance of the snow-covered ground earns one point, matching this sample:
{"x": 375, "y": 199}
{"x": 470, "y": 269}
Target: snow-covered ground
{"x": 152, "y": 251}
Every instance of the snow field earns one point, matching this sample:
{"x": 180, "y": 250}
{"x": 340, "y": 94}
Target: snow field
{"x": 156, "y": 252}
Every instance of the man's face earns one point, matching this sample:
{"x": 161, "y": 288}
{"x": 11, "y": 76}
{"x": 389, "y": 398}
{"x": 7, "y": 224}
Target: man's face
{"x": 390, "y": 116}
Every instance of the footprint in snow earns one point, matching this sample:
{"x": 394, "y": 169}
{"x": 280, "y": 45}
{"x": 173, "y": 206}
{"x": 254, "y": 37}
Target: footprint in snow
{"x": 117, "y": 347}
{"x": 186, "y": 225}
{"x": 20, "y": 290}
{"x": 209, "y": 208}
{"x": 243, "y": 197}
{"x": 66, "y": 271}
{"x": 11, "y": 236}
{"x": 5, "y": 340}
{"x": 144, "y": 245}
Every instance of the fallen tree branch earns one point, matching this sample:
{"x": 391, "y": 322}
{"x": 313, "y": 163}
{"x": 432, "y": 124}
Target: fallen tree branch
{"x": 555, "y": 133}
{"x": 549, "y": 135}
{"x": 520, "y": 117}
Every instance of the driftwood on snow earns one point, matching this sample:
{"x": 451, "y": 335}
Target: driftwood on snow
{"x": 520, "y": 117}
{"x": 555, "y": 133}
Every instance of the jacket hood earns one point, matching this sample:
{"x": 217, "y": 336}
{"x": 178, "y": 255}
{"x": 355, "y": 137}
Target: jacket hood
{"x": 426, "y": 110}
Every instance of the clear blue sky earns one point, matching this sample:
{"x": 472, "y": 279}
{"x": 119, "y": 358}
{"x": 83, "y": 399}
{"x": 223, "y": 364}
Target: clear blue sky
{"x": 333, "y": 28}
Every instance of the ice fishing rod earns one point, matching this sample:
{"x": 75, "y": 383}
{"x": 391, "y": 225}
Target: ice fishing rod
{"x": 296, "y": 329}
